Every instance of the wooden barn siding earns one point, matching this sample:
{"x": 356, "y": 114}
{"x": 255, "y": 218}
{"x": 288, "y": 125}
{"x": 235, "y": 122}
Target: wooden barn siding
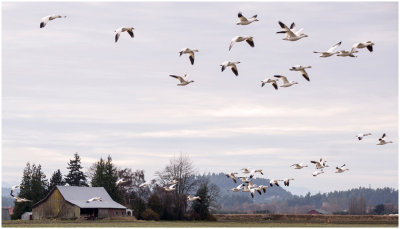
{"x": 55, "y": 207}
{"x": 109, "y": 212}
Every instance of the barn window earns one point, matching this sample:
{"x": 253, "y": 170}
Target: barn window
{"x": 116, "y": 213}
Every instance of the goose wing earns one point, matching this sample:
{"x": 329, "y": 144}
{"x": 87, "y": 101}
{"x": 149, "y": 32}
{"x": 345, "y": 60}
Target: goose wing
{"x": 234, "y": 70}
{"x": 117, "y": 36}
{"x": 130, "y": 33}
{"x": 178, "y": 77}
{"x": 250, "y": 42}
{"x": 304, "y": 74}
{"x": 241, "y": 17}
{"x": 191, "y": 57}
{"x": 283, "y": 78}
{"x": 334, "y": 47}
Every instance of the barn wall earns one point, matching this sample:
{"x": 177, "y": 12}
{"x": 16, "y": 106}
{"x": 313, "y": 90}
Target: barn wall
{"x": 111, "y": 212}
{"x": 55, "y": 207}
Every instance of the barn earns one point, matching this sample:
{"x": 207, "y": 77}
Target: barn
{"x": 69, "y": 202}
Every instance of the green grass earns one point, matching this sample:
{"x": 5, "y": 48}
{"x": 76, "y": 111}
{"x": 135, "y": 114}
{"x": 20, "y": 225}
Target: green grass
{"x": 140, "y": 223}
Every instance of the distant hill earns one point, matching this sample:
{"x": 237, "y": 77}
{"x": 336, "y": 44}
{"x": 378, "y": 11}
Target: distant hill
{"x": 6, "y": 199}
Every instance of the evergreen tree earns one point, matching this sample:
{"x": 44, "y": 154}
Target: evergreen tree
{"x": 75, "y": 176}
{"x": 56, "y": 179}
{"x": 200, "y": 208}
{"x": 105, "y": 176}
{"x": 34, "y": 187}
{"x": 154, "y": 203}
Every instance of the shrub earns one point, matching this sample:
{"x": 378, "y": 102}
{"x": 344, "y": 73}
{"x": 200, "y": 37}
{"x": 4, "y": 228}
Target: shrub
{"x": 149, "y": 214}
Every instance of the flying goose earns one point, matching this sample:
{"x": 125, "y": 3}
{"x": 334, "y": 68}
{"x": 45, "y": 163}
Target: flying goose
{"x": 341, "y": 169}
{"x": 13, "y": 189}
{"x": 255, "y": 171}
{"x": 48, "y": 18}
{"x": 252, "y": 191}
{"x": 263, "y": 187}
{"x": 382, "y": 140}
{"x": 248, "y": 39}
{"x": 287, "y": 180}
{"x": 299, "y": 166}
{"x": 285, "y": 81}
{"x": 183, "y": 81}
{"x": 193, "y": 198}
{"x": 320, "y": 164}
{"x": 232, "y": 65}
{"x": 347, "y": 53}
{"x": 244, "y": 21}
{"x": 19, "y": 199}
{"x": 330, "y": 51}
{"x": 317, "y": 172}
{"x": 302, "y": 70}
{"x": 120, "y": 181}
{"x": 290, "y": 34}
{"x": 190, "y": 52}
{"x": 170, "y": 188}
{"x": 145, "y": 184}
{"x": 360, "y": 136}
{"x": 172, "y": 182}
{"x": 271, "y": 81}
{"x": 238, "y": 188}
{"x": 231, "y": 175}
{"x": 274, "y": 182}
{"x": 123, "y": 29}
{"x": 245, "y": 170}
{"x": 367, "y": 44}
{"x": 244, "y": 179}
{"x": 94, "y": 199}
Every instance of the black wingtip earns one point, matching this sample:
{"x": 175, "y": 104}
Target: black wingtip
{"x": 41, "y": 25}
{"x": 370, "y": 48}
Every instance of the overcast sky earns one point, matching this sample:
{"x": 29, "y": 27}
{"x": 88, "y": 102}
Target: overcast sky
{"x": 70, "y": 88}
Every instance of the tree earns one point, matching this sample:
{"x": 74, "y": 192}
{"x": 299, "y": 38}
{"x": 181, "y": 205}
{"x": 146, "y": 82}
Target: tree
{"x": 56, "y": 179}
{"x": 34, "y": 187}
{"x": 209, "y": 194}
{"x": 180, "y": 169}
{"x": 154, "y": 203}
{"x": 105, "y": 176}
{"x": 75, "y": 176}
{"x": 379, "y": 209}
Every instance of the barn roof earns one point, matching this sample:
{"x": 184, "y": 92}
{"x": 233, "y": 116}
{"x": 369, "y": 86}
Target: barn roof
{"x": 78, "y": 196}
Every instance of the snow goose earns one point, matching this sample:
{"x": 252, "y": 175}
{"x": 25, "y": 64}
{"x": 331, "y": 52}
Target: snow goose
{"x": 287, "y": 180}
{"x": 367, "y": 44}
{"x": 302, "y": 70}
{"x": 120, "y": 181}
{"x": 232, "y": 65}
{"x": 13, "y": 189}
{"x": 19, "y": 199}
{"x": 48, "y": 18}
{"x": 170, "y": 188}
{"x": 248, "y": 39}
{"x": 172, "y": 182}
{"x": 330, "y": 51}
{"x": 245, "y": 170}
{"x": 145, "y": 184}
{"x": 244, "y": 180}
{"x": 123, "y": 29}
{"x": 244, "y": 21}
{"x": 94, "y": 199}
{"x": 263, "y": 187}
{"x": 317, "y": 172}
{"x": 290, "y": 34}
{"x": 271, "y": 81}
{"x": 285, "y": 81}
{"x": 382, "y": 141}
{"x": 299, "y": 166}
{"x": 362, "y": 135}
{"x": 274, "y": 182}
{"x": 190, "y": 52}
{"x": 341, "y": 169}
{"x": 238, "y": 188}
{"x": 253, "y": 190}
{"x": 320, "y": 164}
{"x": 231, "y": 175}
{"x": 183, "y": 81}
{"x": 255, "y": 171}
{"x": 347, "y": 53}
{"x": 193, "y": 198}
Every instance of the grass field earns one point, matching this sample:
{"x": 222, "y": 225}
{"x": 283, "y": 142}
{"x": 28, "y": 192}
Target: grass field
{"x": 140, "y": 223}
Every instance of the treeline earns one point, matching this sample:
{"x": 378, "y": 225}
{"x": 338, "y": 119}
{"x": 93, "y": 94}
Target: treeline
{"x": 150, "y": 202}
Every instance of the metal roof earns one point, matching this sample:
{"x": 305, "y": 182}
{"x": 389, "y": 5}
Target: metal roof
{"x": 78, "y": 196}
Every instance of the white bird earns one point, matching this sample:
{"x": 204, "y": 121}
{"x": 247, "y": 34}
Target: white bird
{"x": 299, "y": 166}
{"x": 193, "y": 198}
{"x": 347, "y": 53}
{"x": 190, "y": 52}
{"x": 317, "y": 172}
{"x": 253, "y": 190}
{"x": 244, "y": 180}
{"x": 360, "y": 136}
{"x": 382, "y": 141}
{"x": 244, "y": 21}
{"x": 248, "y": 39}
{"x": 271, "y": 81}
{"x": 170, "y": 188}
{"x": 13, "y": 189}
{"x": 120, "y": 181}
{"x": 320, "y": 164}
{"x": 285, "y": 81}
{"x": 145, "y": 184}
{"x": 274, "y": 182}
{"x": 254, "y": 171}
{"x": 238, "y": 188}
{"x": 182, "y": 80}
{"x": 94, "y": 199}
{"x": 302, "y": 70}
{"x": 231, "y": 175}
{"x": 123, "y": 29}
{"x": 19, "y": 199}
{"x": 367, "y": 44}
{"x": 341, "y": 169}
{"x": 287, "y": 180}
{"x": 246, "y": 188}
{"x": 290, "y": 34}
{"x": 263, "y": 187}
{"x": 245, "y": 170}
{"x": 232, "y": 65}
{"x": 330, "y": 51}
{"x": 172, "y": 182}
{"x": 48, "y": 18}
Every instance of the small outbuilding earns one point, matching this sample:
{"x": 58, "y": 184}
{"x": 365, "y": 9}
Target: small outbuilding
{"x": 26, "y": 216}
{"x": 69, "y": 202}
{"x": 5, "y": 214}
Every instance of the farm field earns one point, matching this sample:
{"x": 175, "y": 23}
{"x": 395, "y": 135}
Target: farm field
{"x": 141, "y": 223}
